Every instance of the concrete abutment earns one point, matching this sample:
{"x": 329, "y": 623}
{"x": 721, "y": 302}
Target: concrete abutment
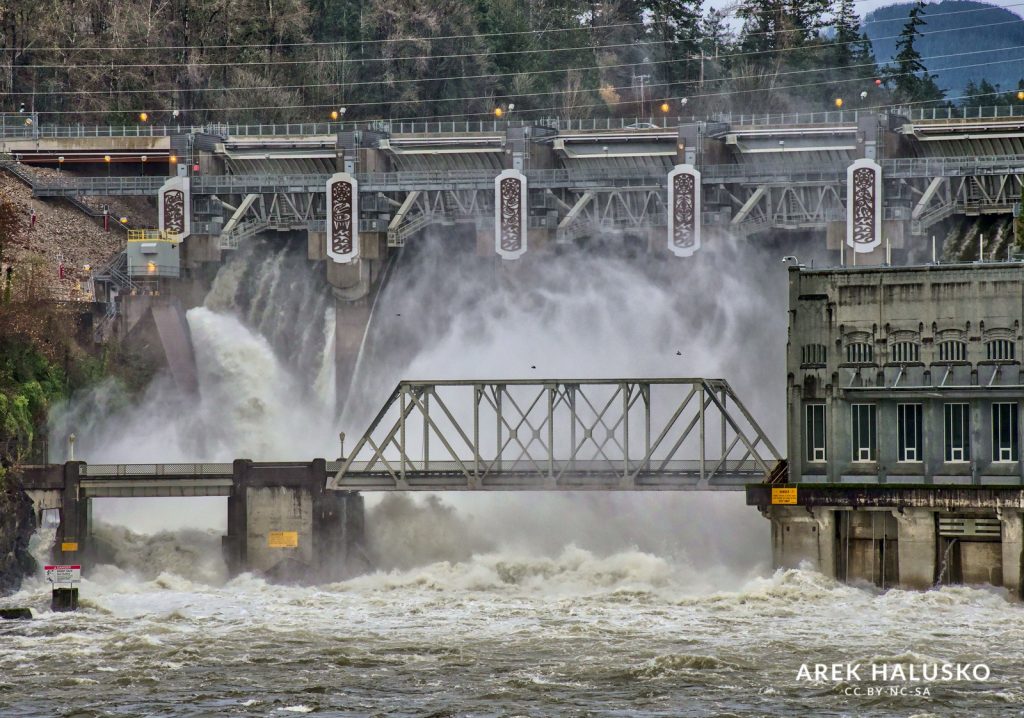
{"x": 905, "y": 547}
{"x": 283, "y": 523}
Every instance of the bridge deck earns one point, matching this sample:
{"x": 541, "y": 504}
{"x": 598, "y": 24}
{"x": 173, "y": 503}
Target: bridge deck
{"x": 483, "y": 180}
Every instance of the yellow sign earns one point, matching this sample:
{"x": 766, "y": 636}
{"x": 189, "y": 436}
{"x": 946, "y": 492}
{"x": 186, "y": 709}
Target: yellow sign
{"x": 69, "y": 546}
{"x": 784, "y": 495}
{"x": 283, "y": 539}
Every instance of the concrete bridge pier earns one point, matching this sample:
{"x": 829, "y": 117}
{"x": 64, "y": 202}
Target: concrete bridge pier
{"x": 803, "y": 537}
{"x": 72, "y": 543}
{"x": 283, "y": 523}
{"x": 906, "y": 547}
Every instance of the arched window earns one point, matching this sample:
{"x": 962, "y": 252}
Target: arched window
{"x": 859, "y": 349}
{"x": 1000, "y": 345}
{"x": 904, "y": 347}
{"x": 951, "y": 346}
{"x": 999, "y": 349}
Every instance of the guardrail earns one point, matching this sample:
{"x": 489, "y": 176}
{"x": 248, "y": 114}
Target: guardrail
{"x": 129, "y": 471}
{"x": 958, "y": 113}
{"x": 14, "y": 127}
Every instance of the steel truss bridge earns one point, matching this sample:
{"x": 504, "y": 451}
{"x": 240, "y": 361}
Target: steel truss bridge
{"x": 512, "y": 435}
{"x": 758, "y": 172}
{"x": 614, "y": 434}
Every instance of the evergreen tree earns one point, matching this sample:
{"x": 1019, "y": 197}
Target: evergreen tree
{"x": 675, "y": 25}
{"x": 909, "y": 76}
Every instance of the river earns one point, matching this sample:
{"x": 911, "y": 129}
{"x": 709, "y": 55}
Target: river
{"x": 504, "y": 605}
{"x": 576, "y": 633}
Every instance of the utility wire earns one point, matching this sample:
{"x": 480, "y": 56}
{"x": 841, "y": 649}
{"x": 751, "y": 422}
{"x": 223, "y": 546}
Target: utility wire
{"x": 590, "y": 48}
{"x": 730, "y": 92}
{"x": 538, "y": 31}
{"x": 507, "y": 96}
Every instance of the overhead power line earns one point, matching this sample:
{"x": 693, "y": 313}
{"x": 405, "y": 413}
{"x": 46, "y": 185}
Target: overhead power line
{"x": 356, "y": 60}
{"x": 432, "y": 38}
{"x": 699, "y": 95}
{"x": 347, "y": 85}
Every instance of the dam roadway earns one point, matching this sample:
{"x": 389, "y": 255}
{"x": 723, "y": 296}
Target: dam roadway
{"x": 758, "y": 172}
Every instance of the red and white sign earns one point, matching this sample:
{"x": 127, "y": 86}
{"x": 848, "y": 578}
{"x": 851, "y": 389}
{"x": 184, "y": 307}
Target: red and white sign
{"x": 63, "y": 574}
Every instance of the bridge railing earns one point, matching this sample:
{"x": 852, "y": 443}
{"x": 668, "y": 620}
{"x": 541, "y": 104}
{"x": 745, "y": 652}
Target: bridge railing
{"x": 15, "y": 127}
{"x": 130, "y": 471}
{"x": 633, "y": 433}
{"x": 831, "y": 117}
{"x": 922, "y": 114}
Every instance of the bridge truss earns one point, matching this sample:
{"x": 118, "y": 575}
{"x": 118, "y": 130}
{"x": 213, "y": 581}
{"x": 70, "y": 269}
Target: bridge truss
{"x": 615, "y": 434}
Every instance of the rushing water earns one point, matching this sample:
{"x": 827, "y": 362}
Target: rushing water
{"x": 496, "y": 605}
{"x": 500, "y": 634}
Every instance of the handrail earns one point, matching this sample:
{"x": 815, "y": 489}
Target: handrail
{"x": 17, "y": 129}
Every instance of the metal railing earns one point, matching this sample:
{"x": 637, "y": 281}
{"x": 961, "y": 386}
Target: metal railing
{"x": 15, "y": 127}
{"x": 127, "y": 471}
{"x": 922, "y": 114}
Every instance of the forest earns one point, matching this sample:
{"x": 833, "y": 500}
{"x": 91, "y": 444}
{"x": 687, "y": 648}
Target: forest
{"x": 196, "y": 61}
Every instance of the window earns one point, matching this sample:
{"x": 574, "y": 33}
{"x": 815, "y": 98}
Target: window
{"x": 952, "y": 350}
{"x": 814, "y": 436}
{"x": 859, "y": 353}
{"x": 958, "y": 431}
{"x": 812, "y": 354}
{"x": 1004, "y": 432}
{"x": 903, "y": 352}
{"x": 999, "y": 349}
{"x": 908, "y": 431}
{"x": 864, "y": 438}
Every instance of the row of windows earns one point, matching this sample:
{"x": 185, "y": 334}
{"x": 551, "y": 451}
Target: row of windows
{"x": 910, "y": 431}
{"x": 910, "y": 351}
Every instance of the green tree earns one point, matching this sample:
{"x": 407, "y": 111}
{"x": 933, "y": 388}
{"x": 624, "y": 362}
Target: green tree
{"x": 909, "y": 76}
{"x": 675, "y": 27}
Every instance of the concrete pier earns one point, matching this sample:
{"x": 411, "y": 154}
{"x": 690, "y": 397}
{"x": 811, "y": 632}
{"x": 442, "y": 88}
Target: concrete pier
{"x": 916, "y": 543}
{"x": 283, "y": 523}
{"x": 802, "y": 537}
{"x": 905, "y": 537}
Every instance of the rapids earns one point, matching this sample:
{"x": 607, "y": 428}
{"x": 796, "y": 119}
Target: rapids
{"x": 510, "y": 604}
{"x": 499, "y": 634}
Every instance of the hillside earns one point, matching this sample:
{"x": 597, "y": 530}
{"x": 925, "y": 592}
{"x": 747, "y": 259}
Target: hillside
{"x": 63, "y": 235}
{"x": 985, "y": 31}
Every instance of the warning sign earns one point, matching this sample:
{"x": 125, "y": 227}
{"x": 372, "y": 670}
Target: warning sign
{"x": 283, "y": 539}
{"x": 63, "y": 574}
{"x": 784, "y": 495}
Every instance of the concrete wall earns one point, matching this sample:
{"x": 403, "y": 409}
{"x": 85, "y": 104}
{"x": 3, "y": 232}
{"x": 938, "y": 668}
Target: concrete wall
{"x": 903, "y": 548}
{"x": 922, "y": 306}
{"x": 802, "y": 538}
{"x": 269, "y": 498}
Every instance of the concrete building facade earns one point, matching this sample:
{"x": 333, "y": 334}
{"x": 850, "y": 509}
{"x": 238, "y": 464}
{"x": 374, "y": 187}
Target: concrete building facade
{"x": 903, "y": 379}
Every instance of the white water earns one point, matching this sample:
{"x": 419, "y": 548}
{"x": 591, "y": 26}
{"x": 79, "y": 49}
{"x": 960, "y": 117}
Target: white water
{"x": 498, "y": 604}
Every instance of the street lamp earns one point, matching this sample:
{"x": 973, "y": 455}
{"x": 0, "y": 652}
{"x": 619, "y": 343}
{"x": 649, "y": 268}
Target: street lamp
{"x": 839, "y": 103}
{"x": 143, "y": 117}
{"x": 1020, "y": 95}
{"x": 60, "y": 163}
{"x": 144, "y": 158}
{"x": 106, "y": 159}
{"x": 498, "y": 112}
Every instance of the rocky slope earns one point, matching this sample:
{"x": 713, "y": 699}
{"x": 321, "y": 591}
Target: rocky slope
{"x": 64, "y": 235}
{"x": 17, "y": 524}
